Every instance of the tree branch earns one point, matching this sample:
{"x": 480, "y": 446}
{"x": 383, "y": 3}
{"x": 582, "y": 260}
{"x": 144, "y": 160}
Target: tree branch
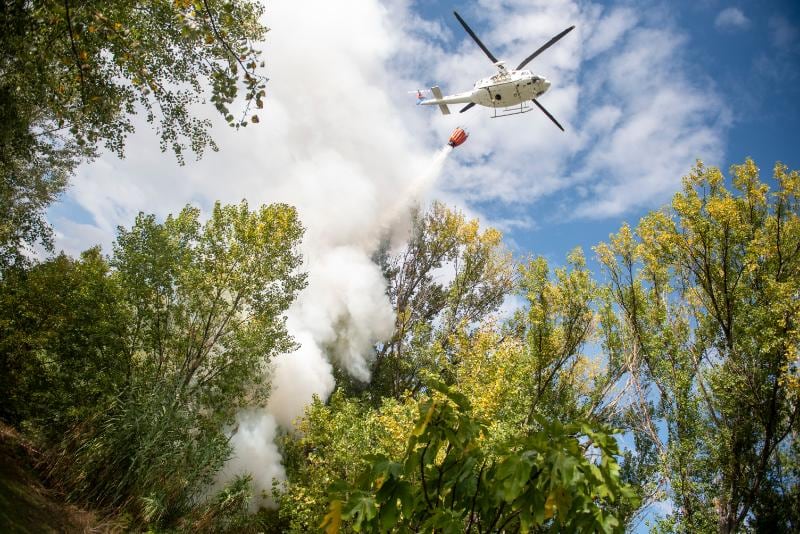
{"x": 474, "y": 498}
{"x": 75, "y": 52}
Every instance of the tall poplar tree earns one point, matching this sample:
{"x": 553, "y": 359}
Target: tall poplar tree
{"x": 708, "y": 295}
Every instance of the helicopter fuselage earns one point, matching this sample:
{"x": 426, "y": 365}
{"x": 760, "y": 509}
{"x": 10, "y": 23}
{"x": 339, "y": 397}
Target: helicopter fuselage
{"x": 504, "y": 89}
{"x": 508, "y": 88}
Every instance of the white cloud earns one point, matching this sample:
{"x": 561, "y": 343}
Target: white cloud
{"x": 780, "y": 66}
{"x": 731, "y": 18}
{"x": 636, "y": 119}
{"x": 608, "y": 29}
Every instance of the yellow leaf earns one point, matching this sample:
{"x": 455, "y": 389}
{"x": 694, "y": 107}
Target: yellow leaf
{"x": 333, "y": 519}
{"x": 422, "y": 425}
{"x": 550, "y": 506}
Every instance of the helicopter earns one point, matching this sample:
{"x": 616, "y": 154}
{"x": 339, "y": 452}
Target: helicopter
{"x": 508, "y": 90}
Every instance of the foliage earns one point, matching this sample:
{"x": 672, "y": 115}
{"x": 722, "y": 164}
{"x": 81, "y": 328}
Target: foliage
{"x": 73, "y": 74}
{"x": 147, "y": 453}
{"x": 227, "y": 511}
{"x": 30, "y": 180}
{"x": 708, "y": 324}
{"x": 145, "y": 358}
{"x": 207, "y": 300}
{"x": 428, "y": 311}
{"x": 447, "y": 480}
{"x": 62, "y": 328}
{"x": 323, "y": 451}
{"x": 554, "y": 327}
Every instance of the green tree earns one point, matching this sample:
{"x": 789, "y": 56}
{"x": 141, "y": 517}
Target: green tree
{"x": 62, "y": 332}
{"x": 707, "y": 294}
{"x": 208, "y": 299}
{"x": 533, "y": 364}
{"x": 322, "y": 451}
{"x": 442, "y": 245}
{"x": 563, "y": 477}
{"x": 171, "y": 338}
{"x": 73, "y": 75}
{"x": 554, "y": 327}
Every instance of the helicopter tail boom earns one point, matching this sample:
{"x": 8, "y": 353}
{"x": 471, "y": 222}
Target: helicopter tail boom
{"x": 442, "y": 101}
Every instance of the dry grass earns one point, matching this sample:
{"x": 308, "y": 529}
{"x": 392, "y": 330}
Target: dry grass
{"x": 27, "y": 506}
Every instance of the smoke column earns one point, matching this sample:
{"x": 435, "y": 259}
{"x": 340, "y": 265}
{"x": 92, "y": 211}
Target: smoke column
{"x": 417, "y": 188}
{"x": 337, "y": 141}
{"x": 335, "y": 320}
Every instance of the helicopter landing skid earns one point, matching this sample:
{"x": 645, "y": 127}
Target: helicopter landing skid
{"x": 522, "y": 107}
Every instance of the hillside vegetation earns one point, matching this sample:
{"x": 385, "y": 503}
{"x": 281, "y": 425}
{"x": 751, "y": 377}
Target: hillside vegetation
{"x": 125, "y": 369}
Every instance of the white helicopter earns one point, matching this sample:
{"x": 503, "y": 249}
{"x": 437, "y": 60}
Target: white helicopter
{"x": 508, "y": 90}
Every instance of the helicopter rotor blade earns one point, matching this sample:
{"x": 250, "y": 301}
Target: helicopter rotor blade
{"x": 545, "y": 46}
{"x": 465, "y": 108}
{"x": 548, "y": 114}
{"x": 475, "y": 37}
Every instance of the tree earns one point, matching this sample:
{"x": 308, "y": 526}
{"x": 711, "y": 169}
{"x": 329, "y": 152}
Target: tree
{"x": 532, "y": 364}
{"x": 62, "y": 326}
{"x": 330, "y": 444}
{"x": 208, "y": 300}
{"x": 563, "y": 477}
{"x": 708, "y": 316}
{"x": 442, "y": 245}
{"x": 171, "y": 337}
{"x": 554, "y": 327}
{"x": 73, "y": 74}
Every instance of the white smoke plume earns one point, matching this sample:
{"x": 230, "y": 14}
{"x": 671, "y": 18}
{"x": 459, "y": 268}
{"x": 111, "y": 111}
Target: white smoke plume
{"x": 343, "y": 311}
{"x": 394, "y": 216}
{"x": 353, "y": 175}
{"x": 335, "y": 320}
{"x": 254, "y": 442}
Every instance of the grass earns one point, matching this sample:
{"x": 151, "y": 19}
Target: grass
{"x": 26, "y": 506}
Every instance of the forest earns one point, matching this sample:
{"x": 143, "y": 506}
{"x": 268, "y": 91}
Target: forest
{"x": 668, "y": 374}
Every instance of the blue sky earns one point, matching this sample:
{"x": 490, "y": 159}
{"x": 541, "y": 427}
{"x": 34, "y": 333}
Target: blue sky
{"x": 746, "y": 54}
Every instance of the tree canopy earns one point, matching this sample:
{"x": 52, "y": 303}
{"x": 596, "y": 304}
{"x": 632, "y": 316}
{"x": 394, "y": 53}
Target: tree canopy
{"x": 130, "y": 367}
{"x": 449, "y": 480}
{"x": 74, "y": 74}
{"x": 670, "y": 375}
{"x": 707, "y": 300}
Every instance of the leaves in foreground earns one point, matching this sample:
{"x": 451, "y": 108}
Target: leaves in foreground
{"x": 561, "y": 476}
